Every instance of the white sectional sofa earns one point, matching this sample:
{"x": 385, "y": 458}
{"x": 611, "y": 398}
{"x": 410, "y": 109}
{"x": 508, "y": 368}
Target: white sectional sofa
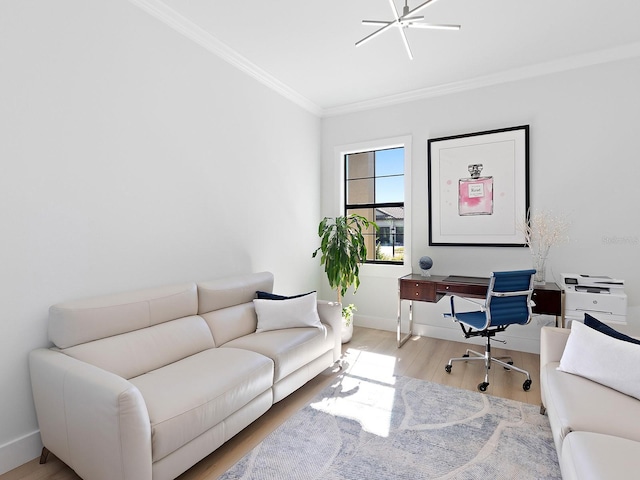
{"x": 143, "y": 385}
{"x": 596, "y": 428}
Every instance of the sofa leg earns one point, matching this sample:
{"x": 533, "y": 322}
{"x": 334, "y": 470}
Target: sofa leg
{"x": 44, "y": 455}
{"x": 543, "y": 410}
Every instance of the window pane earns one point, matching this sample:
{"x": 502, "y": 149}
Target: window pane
{"x": 389, "y": 189}
{"x": 369, "y": 233}
{"x": 360, "y": 165}
{"x": 390, "y": 162}
{"x": 390, "y": 242}
{"x": 360, "y": 191}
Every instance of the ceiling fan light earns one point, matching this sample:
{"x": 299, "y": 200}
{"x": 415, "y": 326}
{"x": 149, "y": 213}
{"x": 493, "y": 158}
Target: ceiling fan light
{"x": 408, "y": 19}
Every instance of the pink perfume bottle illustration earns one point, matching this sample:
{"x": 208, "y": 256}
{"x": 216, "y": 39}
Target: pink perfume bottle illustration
{"x": 475, "y": 194}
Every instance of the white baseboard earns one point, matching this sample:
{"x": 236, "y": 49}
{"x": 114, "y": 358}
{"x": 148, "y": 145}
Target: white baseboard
{"x": 514, "y": 342}
{"x": 20, "y": 451}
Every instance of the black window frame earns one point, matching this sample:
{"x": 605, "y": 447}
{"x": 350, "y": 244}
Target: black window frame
{"x": 374, "y": 206}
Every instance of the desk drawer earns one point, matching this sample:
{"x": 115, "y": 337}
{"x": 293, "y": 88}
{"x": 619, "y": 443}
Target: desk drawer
{"x": 412, "y": 290}
{"x": 463, "y": 290}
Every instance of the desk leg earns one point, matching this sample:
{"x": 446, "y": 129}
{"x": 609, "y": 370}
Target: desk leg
{"x": 402, "y": 340}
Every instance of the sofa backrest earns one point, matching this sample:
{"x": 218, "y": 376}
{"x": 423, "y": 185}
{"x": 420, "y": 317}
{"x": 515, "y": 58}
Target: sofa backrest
{"x": 81, "y": 321}
{"x": 227, "y": 304}
{"x": 131, "y": 333}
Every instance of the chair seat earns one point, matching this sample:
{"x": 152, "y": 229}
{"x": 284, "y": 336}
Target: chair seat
{"x": 477, "y": 320}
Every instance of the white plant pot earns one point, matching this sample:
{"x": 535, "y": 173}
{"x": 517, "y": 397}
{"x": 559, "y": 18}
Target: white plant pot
{"x": 347, "y": 331}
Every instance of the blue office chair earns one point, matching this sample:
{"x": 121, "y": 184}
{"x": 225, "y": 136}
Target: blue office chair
{"x": 508, "y": 302}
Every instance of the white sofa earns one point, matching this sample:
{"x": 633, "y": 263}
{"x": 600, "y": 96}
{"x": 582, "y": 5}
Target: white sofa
{"x": 596, "y": 429}
{"x": 143, "y": 385}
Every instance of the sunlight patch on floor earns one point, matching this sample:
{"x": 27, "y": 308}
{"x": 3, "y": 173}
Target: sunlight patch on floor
{"x": 366, "y": 392}
{"x": 369, "y": 365}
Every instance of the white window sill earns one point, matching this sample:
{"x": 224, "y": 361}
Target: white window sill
{"x": 386, "y": 271}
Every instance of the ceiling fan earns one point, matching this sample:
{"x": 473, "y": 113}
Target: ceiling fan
{"x": 408, "y": 19}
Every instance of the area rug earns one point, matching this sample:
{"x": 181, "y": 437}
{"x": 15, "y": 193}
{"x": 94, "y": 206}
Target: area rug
{"x": 404, "y": 428}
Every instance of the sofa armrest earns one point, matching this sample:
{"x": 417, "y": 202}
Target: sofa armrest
{"x": 330, "y": 313}
{"x": 93, "y": 420}
{"x": 552, "y": 343}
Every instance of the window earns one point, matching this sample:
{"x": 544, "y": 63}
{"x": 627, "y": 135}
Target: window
{"x": 374, "y": 188}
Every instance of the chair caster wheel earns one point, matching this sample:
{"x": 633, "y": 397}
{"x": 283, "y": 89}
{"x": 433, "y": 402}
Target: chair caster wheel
{"x": 466, "y": 355}
{"x": 483, "y": 386}
{"x": 526, "y": 385}
{"x": 510, "y": 363}
{"x": 447, "y": 368}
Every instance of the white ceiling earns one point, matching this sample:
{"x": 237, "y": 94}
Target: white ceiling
{"x": 306, "y": 49}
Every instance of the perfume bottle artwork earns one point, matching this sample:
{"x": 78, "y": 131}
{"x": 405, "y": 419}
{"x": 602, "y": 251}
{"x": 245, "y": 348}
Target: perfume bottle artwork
{"x": 475, "y": 194}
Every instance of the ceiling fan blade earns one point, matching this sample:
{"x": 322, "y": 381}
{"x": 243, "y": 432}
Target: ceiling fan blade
{"x": 406, "y": 43}
{"x": 434, "y": 26}
{"x": 376, "y": 33}
{"x": 394, "y": 10}
{"x": 408, "y": 19}
{"x": 375, "y": 22}
{"x": 420, "y": 7}
{"x": 402, "y": 32}
{"x": 380, "y": 30}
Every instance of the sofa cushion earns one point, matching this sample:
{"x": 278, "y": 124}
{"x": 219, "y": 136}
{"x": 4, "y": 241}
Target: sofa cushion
{"x": 135, "y": 353}
{"x": 288, "y": 313}
{"x": 229, "y": 323}
{"x": 227, "y": 292}
{"x": 290, "y": 349}
{"x": 575, "y": 403}
{"x": 187, "y": 398}
{"x": 588, "y": 455}
{"x": 602, "y": 358}
{"x": 81, "y": 321}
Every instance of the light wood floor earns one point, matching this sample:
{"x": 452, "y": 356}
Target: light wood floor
{"x": 370, "y": 352}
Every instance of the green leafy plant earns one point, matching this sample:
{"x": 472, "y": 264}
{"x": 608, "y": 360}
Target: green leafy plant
{"x": 344, "y": 249}
{"x": 347, "y": 313}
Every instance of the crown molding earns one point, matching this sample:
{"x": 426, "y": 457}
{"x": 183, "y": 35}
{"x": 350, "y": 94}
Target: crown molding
{"x": 564, "y": 64}
{"x": 189, "y": 29}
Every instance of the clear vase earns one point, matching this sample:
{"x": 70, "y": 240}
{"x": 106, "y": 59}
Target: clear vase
{"x": 540, "y": 264}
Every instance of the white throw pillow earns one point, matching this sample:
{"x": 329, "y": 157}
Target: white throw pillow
{"x": 603, "y": 359}
{"x": 289, "y": 313}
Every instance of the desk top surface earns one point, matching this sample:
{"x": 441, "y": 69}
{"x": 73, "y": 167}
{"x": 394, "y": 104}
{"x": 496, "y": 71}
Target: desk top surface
{"x": 467, "y": 280}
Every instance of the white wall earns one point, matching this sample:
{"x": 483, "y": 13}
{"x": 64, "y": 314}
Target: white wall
{"x": 130, "y": 157}
{"x": 584, "y": 163}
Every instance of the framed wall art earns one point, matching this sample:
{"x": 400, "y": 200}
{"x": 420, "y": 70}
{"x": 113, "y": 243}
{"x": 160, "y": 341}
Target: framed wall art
{"x": 479, "y": 188}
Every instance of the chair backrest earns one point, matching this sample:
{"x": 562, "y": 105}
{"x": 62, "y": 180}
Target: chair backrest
{"x": 509, "y": 297}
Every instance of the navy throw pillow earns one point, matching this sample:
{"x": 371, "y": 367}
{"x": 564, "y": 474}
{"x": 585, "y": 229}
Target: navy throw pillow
{"x": 273, "y": 296}
{"x": 596, "y": 324}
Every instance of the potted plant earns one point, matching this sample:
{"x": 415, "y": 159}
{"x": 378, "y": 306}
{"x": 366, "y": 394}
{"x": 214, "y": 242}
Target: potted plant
{"x": 344, "y": 249}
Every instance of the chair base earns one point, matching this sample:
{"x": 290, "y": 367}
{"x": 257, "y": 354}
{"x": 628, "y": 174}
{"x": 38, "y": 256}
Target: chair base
{"x": 488, "y": 359}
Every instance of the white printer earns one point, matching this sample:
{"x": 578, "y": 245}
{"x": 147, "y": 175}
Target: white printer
{"x": 600, "y": 296}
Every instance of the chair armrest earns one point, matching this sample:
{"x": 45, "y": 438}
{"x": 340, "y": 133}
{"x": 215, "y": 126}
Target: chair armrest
{"x": 330, "y": 313}
{"x": 93, "y": 420}
{"x": 479, "y": 303}
{"x": 452, "y": 299}
{"x": 552, "y": 343}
